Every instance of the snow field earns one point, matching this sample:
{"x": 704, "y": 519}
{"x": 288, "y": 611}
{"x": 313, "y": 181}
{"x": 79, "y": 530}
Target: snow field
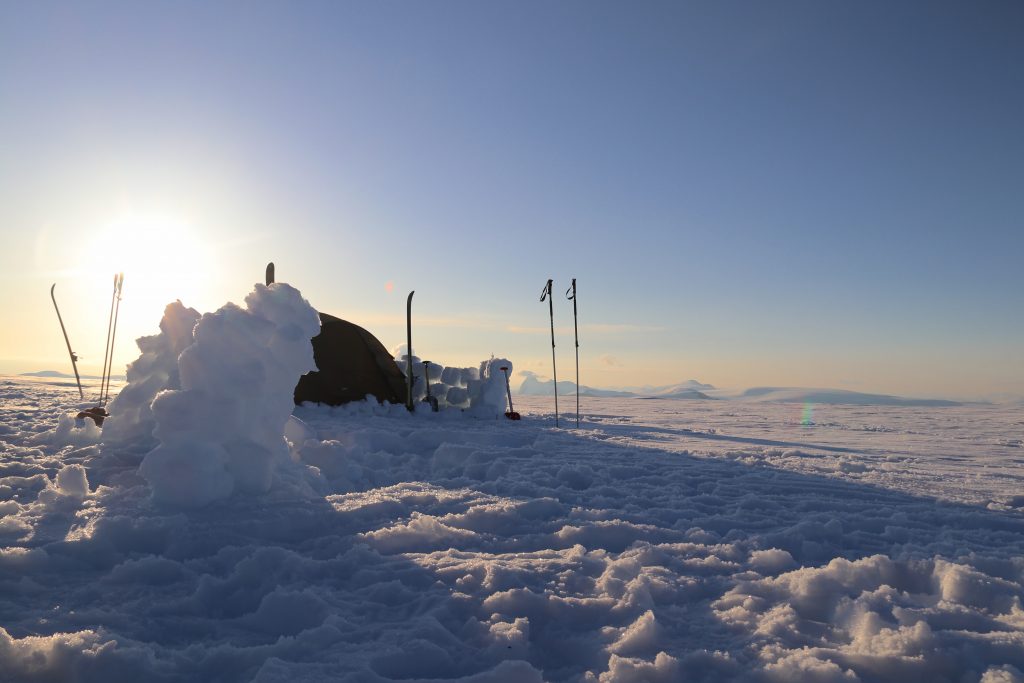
{"x": 440, "y": 547}
{"x": 663, "y": 541}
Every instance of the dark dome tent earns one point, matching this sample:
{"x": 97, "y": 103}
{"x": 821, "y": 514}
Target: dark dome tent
{"x": 351, "y": 364}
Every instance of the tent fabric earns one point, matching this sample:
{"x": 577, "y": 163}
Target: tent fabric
{"x": 352, "y": 364}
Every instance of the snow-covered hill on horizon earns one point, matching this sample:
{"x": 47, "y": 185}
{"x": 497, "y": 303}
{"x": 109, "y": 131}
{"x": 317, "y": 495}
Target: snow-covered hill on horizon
{"x": 532, "y": 386}
{"x": 692, "y": 389}
{"x": 57, "y": 374}
{"x": 836, "y": 396}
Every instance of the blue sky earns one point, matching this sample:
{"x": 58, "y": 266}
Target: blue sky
{"x": 794, "y": 193}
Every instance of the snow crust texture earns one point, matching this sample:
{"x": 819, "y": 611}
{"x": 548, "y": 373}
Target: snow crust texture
{"x": 663, "y": 541}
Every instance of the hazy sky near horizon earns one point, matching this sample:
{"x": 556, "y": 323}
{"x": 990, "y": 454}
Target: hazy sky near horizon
{"x": 790, "y": 193}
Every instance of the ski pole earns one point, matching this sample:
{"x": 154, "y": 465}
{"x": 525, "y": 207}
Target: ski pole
{"x": 576, "y": 331}
{"x": 546, "y": 294}
{"x": 74, "y": 356}
{"x": 106, "y": 349}
{"x": 113, "y": 336}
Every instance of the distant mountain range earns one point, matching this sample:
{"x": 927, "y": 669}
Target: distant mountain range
{"x": 836, "y": 396}
{"x": 532, "y": 386}
{"x": 694, "y": 390}
{"x": 64, "y": 375}
{"x": 690, "y": 389}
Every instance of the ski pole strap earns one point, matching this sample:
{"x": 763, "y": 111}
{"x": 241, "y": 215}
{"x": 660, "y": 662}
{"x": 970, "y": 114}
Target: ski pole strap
{"x": 546, "y": 291}
{"x": 572, "y": 288}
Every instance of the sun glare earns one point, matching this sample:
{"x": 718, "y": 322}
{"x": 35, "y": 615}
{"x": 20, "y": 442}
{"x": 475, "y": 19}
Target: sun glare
{"x": 162, "y": 260}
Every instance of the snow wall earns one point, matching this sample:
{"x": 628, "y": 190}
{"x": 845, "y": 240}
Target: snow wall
{"x": 479, "y": 391}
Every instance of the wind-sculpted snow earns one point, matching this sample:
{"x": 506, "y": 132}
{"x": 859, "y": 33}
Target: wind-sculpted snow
{"x": 223, "y": 431}
{"x": 688, "y": 542}
{"x": 131, "y": 419}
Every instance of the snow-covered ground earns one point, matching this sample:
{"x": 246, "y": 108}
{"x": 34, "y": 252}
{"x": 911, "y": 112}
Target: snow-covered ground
{"x": 207, "y": 533}
{"x": 662, "y": 541}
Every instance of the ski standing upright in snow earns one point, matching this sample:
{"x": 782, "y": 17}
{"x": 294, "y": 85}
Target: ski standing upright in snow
{"x": 576, "y": 332}
{"x": 74, "y": 356}
{"x": 546, "y": 294}
{"x": 408, "y": 351}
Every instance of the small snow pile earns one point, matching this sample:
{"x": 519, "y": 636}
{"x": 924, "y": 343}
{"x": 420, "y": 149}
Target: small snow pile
{"x": 68, "y": 432}
{"x": 479, "y": 391}
{"x": 69, "y": 487}
{"x": 73, "y": 482}
{"x": 131, "y": 419}
{"x": 223, "y": 431}
{"x": 885, "y": 616}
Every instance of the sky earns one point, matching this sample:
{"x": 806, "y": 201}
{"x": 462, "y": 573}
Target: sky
{"x": 814, "y": 194}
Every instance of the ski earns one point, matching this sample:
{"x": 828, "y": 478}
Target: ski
{"x": 270, "y": 273}
{"x": 74, "y": 356}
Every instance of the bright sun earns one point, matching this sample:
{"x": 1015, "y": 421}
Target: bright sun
{"x": 162, "y": 260}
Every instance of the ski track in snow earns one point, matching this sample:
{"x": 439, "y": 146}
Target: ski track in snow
{"x": 662, "y": 541}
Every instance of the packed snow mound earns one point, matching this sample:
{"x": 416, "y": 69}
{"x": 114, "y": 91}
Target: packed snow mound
{"x": 156, "y": 369}
{"x": 478, "y": 391}
{"x": 223, "y": 431}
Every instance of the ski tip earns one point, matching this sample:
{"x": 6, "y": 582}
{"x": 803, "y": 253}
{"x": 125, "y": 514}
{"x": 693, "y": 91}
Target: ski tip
{"x": 270, "y": 274}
